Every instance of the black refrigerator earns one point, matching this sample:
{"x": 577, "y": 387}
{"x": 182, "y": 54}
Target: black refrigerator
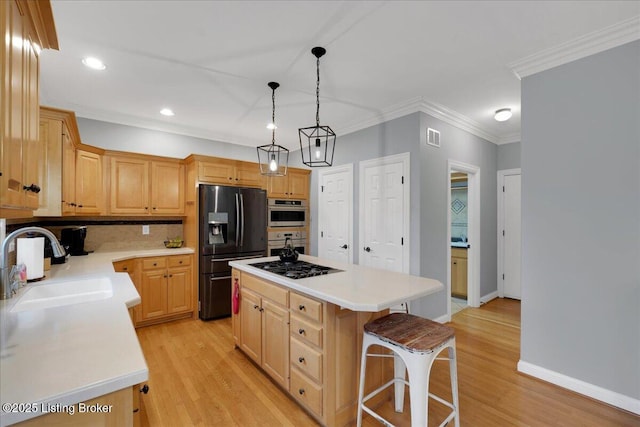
{"x": 233, "y": 225}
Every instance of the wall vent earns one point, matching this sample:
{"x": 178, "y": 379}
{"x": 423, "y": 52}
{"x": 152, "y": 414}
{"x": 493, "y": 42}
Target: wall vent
{"x": 433, "y": 137}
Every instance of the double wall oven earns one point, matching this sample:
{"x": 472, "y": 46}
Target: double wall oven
{"x": 287, "y": 219}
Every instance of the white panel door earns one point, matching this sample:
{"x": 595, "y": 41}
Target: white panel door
{"x": 383, "y": 216}
{"x": 512, "y": 236}
{"x": 335, "y": 209}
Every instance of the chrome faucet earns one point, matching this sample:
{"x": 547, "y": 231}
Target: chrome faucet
{"x": 5, "y": 269}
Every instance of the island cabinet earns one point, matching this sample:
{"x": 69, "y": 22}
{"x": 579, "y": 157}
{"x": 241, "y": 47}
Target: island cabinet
{"x": 264, "y": 327}
{"x": 322, "y": 347}
{"x": 140, "y": 186}
{"x": 294, "y": 185}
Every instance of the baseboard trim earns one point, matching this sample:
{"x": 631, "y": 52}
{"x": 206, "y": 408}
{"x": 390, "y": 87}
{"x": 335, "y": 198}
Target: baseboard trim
{"x": 488, "y": 297}
{"x": 442, "y": 319}
{"x": 607, "y": 396}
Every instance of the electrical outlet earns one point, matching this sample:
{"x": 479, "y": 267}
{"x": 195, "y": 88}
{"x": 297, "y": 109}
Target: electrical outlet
{"x": 145, "y": 229}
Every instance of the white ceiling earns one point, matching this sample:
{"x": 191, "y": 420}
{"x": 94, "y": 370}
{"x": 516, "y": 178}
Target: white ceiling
{"x": 210, "y": 61}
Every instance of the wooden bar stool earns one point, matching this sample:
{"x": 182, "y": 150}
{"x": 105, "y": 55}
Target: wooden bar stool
{"x": 415, "y": 342}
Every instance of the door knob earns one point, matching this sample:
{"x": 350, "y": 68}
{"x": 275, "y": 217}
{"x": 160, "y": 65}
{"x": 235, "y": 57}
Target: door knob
{"x": 344, "y": 246}
{"x": 367, "y": 249}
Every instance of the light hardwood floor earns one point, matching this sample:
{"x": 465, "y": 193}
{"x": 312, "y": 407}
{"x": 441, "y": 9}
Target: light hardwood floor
{"x": 197, "y": 378}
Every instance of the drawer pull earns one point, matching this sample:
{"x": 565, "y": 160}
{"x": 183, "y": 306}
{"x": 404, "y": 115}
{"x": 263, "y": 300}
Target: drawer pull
{"x": 301, "y": 359}
{"x": 145, "y": 389}
{"x": 301, "y": 391}
{"x": 301, "y": 331}
{"x": 155, "y": 263}
{"x": 125, "y": 268}
{"x": 301, "y": 307}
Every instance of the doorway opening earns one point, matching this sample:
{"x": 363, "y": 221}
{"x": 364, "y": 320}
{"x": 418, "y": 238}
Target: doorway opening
{"x": 463, "y": 236}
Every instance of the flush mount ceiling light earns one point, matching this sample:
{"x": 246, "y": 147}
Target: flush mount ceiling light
{"x": 317, "y": 143}
{"x": 167, "y": 112}
{"x": 273, "y": 158}
{"x": 93, "y": 63}
{"x": 503, "y": 114}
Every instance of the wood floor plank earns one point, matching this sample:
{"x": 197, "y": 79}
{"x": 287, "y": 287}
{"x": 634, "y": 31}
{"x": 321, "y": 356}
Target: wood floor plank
{"x": 198, "y": 378}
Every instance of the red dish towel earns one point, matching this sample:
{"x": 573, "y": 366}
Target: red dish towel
{"x": 235, "y": 299}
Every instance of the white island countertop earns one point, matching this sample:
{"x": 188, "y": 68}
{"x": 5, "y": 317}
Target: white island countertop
{"x": 69, "y": 354}
{"x": 356, "y": 287}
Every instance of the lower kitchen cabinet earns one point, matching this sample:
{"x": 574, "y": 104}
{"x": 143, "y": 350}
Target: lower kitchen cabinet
{"x": 459, "y": 272}
{"x": 264, "y": 327}
{"x": 308, "y": 346}
{"x": 165, "y": 287}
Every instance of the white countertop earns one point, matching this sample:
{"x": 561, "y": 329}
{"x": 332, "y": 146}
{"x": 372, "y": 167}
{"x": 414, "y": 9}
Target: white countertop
{"x": 356, "y": 288}
{"x": 69, "y": 354}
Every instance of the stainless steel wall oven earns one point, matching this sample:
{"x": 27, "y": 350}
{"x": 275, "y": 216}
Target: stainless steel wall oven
{"x": 287, "y": 213}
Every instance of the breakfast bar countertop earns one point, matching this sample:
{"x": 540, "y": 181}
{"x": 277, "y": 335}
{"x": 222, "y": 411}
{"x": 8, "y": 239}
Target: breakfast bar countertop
{"x": 356, "y": 287}
{"x": 72, "y": 353}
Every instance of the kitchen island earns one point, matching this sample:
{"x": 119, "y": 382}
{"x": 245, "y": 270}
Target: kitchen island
{"x": 57, "y": 356}
{"x": 306, "y": 333}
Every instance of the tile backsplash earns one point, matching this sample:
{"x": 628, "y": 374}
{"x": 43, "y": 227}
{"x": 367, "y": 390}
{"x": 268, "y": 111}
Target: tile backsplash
{"x": 116, "y": 237}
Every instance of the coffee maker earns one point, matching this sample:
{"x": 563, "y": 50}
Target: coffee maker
{"x": 73, "y": 239}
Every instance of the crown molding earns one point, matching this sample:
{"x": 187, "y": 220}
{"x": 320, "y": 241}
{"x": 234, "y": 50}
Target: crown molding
{"x": 592, "y": 43}
{"x": 508, "y": 139}
{"x": 418, "y": 104}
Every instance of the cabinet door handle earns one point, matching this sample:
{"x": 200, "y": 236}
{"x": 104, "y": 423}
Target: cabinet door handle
{"x": 145, "y": 389}
{"x": 301, "y": 307}
{"x": 155, "y": 208}
{"x": 171, "y": 275}
{"x": 33, "y": 187}
{"x": 301, "y": 391}
{"x": 154, "y": 264}
{"x": 80, "y": 206}
{"x": 301, "y": 331}
{"x": 255, "y": 307}
{"x": 301, "y": 359}
{"x": 124, "y": 268}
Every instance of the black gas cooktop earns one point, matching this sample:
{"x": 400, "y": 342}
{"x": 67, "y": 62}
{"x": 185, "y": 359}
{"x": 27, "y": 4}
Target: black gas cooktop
{"x": 295, "y": 270}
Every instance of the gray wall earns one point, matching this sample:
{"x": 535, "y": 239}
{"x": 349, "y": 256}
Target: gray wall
{"x": 113, "y": 136}
{"x": 509, "y": 156}
{"x": 428, "y": 192}
{"x": 581, "y": 219}
{"x": 461, "y": 146}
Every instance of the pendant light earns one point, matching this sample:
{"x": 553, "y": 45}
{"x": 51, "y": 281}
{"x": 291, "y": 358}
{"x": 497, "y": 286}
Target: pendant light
{"x": 317, "y": 143}
{"x": 273, "y": 158}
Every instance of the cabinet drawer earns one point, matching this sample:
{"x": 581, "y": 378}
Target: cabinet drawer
{"x": 179, "y": 260}
{"x": 153, "y": 263}
{"x": 306, "y": 307}
{"x": 274, "y": 293}
{"x": 310, "y": 332}
{"x": 306, "y": 392}
{"x": 127, "y": 266}
{"x": 459, "y": 253}
{"x": 306, "y": 359}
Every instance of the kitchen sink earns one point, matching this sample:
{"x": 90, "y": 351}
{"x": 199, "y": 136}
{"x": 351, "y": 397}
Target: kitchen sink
{"x": 64, "y": 293}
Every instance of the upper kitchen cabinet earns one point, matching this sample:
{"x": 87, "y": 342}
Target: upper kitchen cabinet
{"x": 140, "y": 186}
{"x": 229, "y": 172}
{"x": 26, "y": 27}
{"x": 294, "y": 185}
{"x": 89, "y": 183}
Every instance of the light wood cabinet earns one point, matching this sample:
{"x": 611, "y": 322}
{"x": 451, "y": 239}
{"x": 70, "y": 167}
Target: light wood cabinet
{"x": 323, "y": 348}
{"x": 165, "y": 286}
{"x": 50, "y": 170}
{"x": 459, "y": 272}
{"x": 146, "y": 187}
{"x": 89, "y": 183}
{"x": 23, "y": 25}
{"x": 294, "y": 185}
{"x": 68, "y": 201}
{"x": 230, "y": 172}
{"x": 264, "y": 327}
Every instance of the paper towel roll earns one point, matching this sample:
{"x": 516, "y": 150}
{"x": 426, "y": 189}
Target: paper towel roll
{"x": 30, "y": 252}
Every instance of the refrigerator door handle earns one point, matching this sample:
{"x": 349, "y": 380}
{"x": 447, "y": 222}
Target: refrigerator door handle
{"x": 242, "y": 220}
{"x": 211, "y": 279}
{"x": 236, "y": 258}
{"x": 237, "y": 221}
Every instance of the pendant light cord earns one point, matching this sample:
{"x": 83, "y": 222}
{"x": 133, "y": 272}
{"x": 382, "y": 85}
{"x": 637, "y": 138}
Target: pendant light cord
{"x": 273, "y": 116}
{"x": 318, "y": 93}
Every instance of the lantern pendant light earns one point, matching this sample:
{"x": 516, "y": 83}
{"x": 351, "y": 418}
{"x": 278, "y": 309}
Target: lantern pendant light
{"x": 317, "y": 143}
{"x": 273, "y": 158}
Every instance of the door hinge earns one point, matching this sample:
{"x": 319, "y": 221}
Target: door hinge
{"x": 503, "y": 232}
{"x": 322, "y": 188}
{"x": 322, "y": 234}
{"x": 402, "y": 180}
{"x": 503, "y": 188}
{"x": 503, "y": 277}
{"x": 402, "y": 241}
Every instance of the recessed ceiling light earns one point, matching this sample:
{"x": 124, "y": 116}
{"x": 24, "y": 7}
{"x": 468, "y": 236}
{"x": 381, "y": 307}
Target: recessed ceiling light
{"x": 272, "y": 126}
{"x": 503, "y": 114}
{"x": 167, "y": 112}
{"x": 93, "y": 63}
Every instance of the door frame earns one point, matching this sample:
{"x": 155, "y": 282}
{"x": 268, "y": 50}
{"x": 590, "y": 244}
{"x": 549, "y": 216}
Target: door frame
{"x": 405, "y": 159}
{"x": 473, "y": 231}
{"x": 337, "y": 169}
{"x": 501, "y": 219}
